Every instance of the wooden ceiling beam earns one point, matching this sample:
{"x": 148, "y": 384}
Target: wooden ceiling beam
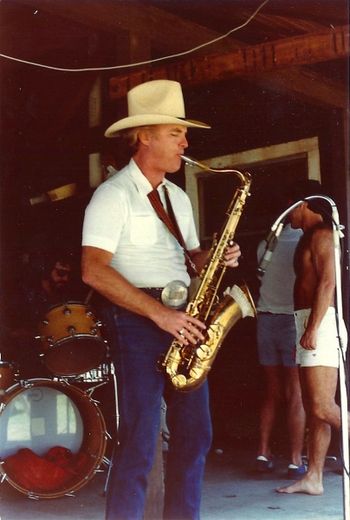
{"x": 307, "y": 85}
{"x": 249, "y": 61}
{"x": 109, "y": 16}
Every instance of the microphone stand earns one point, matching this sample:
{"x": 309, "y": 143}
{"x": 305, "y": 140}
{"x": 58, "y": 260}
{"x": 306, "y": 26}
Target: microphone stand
{"x": 337, "y": 234}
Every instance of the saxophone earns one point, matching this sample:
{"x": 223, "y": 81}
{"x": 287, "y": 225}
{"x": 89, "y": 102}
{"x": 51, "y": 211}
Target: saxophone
{"x": 187, "y": 366}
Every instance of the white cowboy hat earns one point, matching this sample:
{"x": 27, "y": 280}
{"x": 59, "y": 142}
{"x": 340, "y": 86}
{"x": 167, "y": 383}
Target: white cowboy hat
{"x": 158, "y": 102}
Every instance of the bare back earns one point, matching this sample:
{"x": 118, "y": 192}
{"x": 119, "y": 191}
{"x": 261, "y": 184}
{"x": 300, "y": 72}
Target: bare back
{"x": 314, "y": 262}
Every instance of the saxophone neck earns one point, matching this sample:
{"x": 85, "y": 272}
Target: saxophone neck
{"x": 245, "y": 177}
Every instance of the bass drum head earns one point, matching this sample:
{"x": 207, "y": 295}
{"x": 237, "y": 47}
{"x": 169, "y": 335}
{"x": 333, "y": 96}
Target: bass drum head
{"x": 43, "y": 415}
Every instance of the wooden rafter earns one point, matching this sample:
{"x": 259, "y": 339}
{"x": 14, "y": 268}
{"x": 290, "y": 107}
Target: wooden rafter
{"x": 131, "y": 19}
{"x": 307, "y": 85}
{"x": 247, "y": 61}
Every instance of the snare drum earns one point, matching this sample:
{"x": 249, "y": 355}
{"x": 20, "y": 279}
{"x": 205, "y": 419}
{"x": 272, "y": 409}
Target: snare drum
{"x": 8, "y": 374}
{"x": 71, "y": 340}
{"x": 41, "y": 414}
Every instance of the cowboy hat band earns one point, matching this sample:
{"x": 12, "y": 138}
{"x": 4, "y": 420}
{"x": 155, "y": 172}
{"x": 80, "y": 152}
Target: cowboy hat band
{"x": 158, "y": 102}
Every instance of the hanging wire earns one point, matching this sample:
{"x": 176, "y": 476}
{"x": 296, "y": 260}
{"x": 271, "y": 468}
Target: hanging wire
{"x": 137, "y": 64}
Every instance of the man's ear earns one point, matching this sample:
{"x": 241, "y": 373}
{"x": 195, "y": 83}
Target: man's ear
{"x": 144, "y": 135}
{"x": 304, "y": 205}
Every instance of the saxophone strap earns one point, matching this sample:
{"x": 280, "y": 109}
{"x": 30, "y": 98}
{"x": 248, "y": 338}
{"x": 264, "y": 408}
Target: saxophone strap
{"x": 169, "y": 219}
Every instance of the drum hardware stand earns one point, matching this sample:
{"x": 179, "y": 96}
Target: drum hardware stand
{"x": 89, "y": 296}
{"x": 91, "y": 390}
{"x": 3, "y": 478}
{"x": 108, "y": 462}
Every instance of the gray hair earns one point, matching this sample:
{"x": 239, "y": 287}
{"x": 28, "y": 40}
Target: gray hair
{"x": 131, "y": 136}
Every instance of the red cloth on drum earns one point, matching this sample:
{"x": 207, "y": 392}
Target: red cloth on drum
{"x": 64, "y": 458}
{"x": 35, "y": 473}
{"x": 48, "y": 473}
{"x": 60, "y": 456}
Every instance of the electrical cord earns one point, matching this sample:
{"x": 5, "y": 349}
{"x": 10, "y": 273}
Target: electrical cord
{"x": 139, "y": 63}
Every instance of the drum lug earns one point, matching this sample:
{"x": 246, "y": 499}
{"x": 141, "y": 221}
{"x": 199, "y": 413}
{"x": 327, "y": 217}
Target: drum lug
{"x": 25, "y": 383}
{"x": 45, "y": 322}
{"x": 72, "y": 330}
{"x": 38, "y": 337}
{"x": 3, "y": 478}
{"x": 93, "y": 331}
{"x": 67, "y": 311}
{"x": 33, "y": 497}
{"x": 50, "y": 340}
{"x": 98, "y": 323}
{"x": 106, "y": 461}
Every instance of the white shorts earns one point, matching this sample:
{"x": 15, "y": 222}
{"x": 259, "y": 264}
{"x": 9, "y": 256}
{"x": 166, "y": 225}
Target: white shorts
{"x": 327, "y": 352}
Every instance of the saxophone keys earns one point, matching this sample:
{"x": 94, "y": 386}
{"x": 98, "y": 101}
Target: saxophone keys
{"x": 196, "y": 373}
{"x": 203, "y": 352}
{"x": 179, "y": 381}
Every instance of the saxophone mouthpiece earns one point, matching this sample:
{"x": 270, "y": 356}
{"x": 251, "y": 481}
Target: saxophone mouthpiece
{"x": 188, "y": 160}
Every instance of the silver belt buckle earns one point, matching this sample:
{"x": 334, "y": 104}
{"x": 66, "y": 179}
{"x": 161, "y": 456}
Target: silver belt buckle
{"x": 174, "y": 294}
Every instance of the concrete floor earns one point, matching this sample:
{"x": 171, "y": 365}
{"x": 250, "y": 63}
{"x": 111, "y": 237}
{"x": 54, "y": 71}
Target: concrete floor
{"x": 232, "y": 491}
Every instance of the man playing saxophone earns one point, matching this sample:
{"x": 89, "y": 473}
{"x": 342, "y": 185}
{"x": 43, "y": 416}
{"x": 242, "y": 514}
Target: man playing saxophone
{"x": 131, "y": 257}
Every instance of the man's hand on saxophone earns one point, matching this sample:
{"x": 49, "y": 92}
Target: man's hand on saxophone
{"x": 186, "y": 329}
{"x": 232, "y": 255}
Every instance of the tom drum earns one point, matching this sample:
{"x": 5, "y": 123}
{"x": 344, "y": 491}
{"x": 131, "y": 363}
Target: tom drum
{"x": 72, "y": 343}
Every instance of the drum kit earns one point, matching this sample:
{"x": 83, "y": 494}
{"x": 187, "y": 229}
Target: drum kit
{"x": 41, "y": 416}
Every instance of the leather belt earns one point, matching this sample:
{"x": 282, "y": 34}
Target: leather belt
{"x": 173, "y": 295}
{"x": 155, "y": 292}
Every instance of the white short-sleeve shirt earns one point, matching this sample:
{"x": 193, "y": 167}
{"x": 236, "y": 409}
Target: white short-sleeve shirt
{"x": 121, "y": 220}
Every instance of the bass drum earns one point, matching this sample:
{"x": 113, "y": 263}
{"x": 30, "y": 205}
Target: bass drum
{"x": 41, "y": 417}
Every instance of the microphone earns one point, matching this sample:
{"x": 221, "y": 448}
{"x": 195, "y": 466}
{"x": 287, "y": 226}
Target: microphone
{"x": 271, "y": 242}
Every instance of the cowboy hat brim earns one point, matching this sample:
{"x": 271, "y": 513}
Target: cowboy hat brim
{"x": 150, "y": 119}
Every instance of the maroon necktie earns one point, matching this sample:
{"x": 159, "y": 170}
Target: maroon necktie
{"x": 169, "y": 220}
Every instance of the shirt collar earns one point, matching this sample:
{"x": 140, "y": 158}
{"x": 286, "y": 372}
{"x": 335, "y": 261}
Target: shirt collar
{"x": 141, "y": 182}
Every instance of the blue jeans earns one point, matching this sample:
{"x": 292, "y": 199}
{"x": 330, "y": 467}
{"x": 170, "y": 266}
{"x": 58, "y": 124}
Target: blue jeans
{"x": 137, "y": 346}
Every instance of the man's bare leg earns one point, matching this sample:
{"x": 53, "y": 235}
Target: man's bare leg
{"x": 295, "y": 415}
{"x": 319, "y": 387}
{"x": 312, "y": 483}
{"x": 271, "y": 402}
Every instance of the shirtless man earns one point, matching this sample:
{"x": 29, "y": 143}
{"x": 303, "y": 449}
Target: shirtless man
{"x": 317, "y": 337}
